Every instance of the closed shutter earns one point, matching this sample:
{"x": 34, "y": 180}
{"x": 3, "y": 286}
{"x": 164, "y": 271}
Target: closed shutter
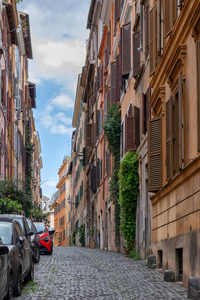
{"x": 155, "y": 154}
{"x": 136, "y": 53}
{"x": 4, "y": 35}
{"x": 94, "y": 91}
{"x": 122, "y": 139}
{"x": 113, "y": 82}
{"x": 144, "y": 108}
{"x": 94, "y": 133}
{"x": 175, "y": 135}
{"x": 152, "y": 45}
{"x": 148, "y": 104}
{"x": 93, "y": 179}
{"x": 87, "y": 154}
{"x": 108, "y": 46}
{"x": 132, "y": 132}
{"x": 9, "y": 110}
{"x": 3, "y": 88}
{"x": 88, "y": 135}
{"x": 108, "y": 98}
{"x": 198, "y": 93}
{"x": 169, "y": 140}
{"x": 97, "y": 123}
{"x": 168, "y": 17}
{"x": 101, "y": 76}
{"x": 146, "y": 20}
{"x": 180, "y": 119}
{"x": 126, "y": 48}
{"x": 98, "y": 172}
{"x": 118, "y": 76}
{"x": 117, "y": 10}
{"x": 120, "y": 61}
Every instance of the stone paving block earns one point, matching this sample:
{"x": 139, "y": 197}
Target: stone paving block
{"x": 194, "y": 288}
{"x": 80, "y": 273}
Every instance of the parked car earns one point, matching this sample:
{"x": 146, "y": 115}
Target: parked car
{"x": 35, "y": 241}
{"x": 5, "y": 274}
{"x": 46, "y": 243}
{"x": 21, "y": 255}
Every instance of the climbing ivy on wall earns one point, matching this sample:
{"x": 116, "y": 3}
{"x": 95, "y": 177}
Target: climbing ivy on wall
{"x": 29, "y": 149}
{"x": 112, "y": 129}
{"x": 128, "y": 190}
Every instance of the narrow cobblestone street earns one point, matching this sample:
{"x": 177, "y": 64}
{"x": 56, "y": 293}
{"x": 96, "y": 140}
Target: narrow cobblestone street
{"x": 82, "y": 273}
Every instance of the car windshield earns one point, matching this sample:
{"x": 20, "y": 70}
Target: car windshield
{"x": 40, "y": 227}
{"x": 6, "y": 232}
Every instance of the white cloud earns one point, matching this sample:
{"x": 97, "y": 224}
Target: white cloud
{"x": 50, "y": 182}
{"x": 61, "y": 129}
{"x": 62, "y": 101}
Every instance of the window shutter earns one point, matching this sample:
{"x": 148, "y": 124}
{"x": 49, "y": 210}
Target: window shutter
{"x": 168, "y": 17}
{"x": 126, "y": 48}
{"x": 97, "y": 123}
{"x": 88, "y": 135}
{"x": 93, "y": 179}
{"x": 98, "y": 172}
{"x": 98, "y": 78}
{"x": 136, "y": 53}
{"x": 148, "y": 104}
{"x": 180, "y": 112}
{"x": 9, "y": 110}
{"x": 94, "y": 91}
{"x": 152, "y": 45}
{"x": 3, "y": 88}
{"x": 175, "y": 136}
{"x": 198, "y": 93}
{"x": 155, "y": 154}
{"x": 101, "y": 76}
{"x": 122, "y": 139}
{"x": 132, "y": 132}
{"x": 105, "y": 59}
{"x": 118, "y": 76}
{"x": 108, "y": 98}
{"x": 146, "y": 17}
{"x": 117, "y": 10}
{"x": 94, "y": 131}
{"x": 113, "y": 82}
{"x": 108, "y": 46}
{"x": 4, "y": 36}
{"x": 144, "y": 108}
{"x": 169, "y": 140}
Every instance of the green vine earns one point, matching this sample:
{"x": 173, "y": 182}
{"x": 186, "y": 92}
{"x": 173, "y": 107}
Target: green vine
{"x": 29, "y": 148}
{"x": 82, "y": 234}
{"x": 112, "y": 129}
{"x": 128, "y": 190}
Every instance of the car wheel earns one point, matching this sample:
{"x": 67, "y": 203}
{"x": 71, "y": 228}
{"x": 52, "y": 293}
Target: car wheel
{"x": 18, "y": 286}
{"x": 10, "y": 289}
{"x": 37, "y": 256}
{"x": 30, "y": 275}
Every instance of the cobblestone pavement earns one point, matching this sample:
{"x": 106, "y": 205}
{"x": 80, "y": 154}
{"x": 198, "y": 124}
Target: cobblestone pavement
{"x": 81, "y": 273}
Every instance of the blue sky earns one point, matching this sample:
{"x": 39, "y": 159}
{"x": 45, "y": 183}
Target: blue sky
{"x": 58, "y": 33}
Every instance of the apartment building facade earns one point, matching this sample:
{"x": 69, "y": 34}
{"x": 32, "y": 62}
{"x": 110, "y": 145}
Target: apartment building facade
{"x": 17, "y": 99}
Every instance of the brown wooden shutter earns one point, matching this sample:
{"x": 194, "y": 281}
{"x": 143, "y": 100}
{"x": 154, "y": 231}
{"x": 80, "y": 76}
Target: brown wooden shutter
{"x": 4, "y": 35}
{"x": 88, "y": 135}
{"x": 136, "y": 53}
{"x": 117, "y": 10}
{"x": 198, "y": 93}
{"x": 148, "y": 104}
{"x": 3, "y": 88}
{"x": 155, "y": 154}
{"x": 126, "y": 48}
{"x": 180, "y": 112}
{"x": 9, "y": 117}
{"x": 108, "y": 98}
{"x": 108, "y": 46}
{"x": 175, "y": 136}
{"x": 168, "y": 17}
{"x": 113, "y": 82}
{"x": 98, "y": 171}
{"x": 159, "y": 27}
{"x": 93, "y": 179}
{"x": 153, "y": 45}
{"x": 146, "y": 17}
{"x": 97, "y": 123}
{"x": 118, "y": 77}
{"x": 169, "y": 140}
{"x": 132, "y": 132}
{"x": 144, "y": 108}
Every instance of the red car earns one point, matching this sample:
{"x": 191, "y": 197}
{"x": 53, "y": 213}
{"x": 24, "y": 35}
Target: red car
{"x": 46, "y": 243}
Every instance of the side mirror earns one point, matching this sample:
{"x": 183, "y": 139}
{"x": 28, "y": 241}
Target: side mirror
{"x": 21, "y": 241}
{"x": 30, "y": 233}
{"x": 4, "y": 250}
{"x": 51, "y": 230}
{"x": 39, "y": 232}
